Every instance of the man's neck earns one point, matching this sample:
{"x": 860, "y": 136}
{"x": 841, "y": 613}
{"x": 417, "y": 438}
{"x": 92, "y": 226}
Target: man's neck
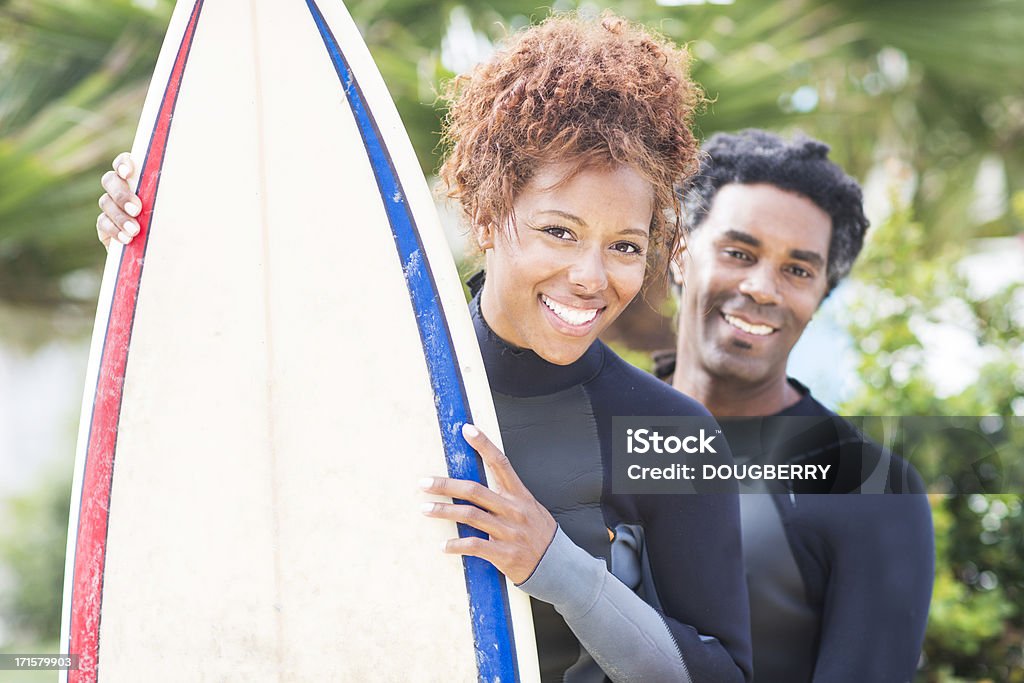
{"x": 726, "y": 397}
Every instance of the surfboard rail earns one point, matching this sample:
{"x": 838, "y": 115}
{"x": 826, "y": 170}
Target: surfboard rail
{"x": 101, "y": 404}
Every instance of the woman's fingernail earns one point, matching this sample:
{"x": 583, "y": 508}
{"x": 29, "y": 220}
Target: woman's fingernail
{"x": 131, "y": 227}
{"x": 426, "y": 482}
{"x": 123, "y": 170}
{"x": 132, "y": 208}
{"x": 444, "y": 546}
{"x": 123, "y": 238}
{"x": 469, "y": 431}
{"x": 427, "y": 508}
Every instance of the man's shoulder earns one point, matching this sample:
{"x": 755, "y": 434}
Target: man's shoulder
{"x": 861, "y": 463}
{"x": 643, "y": 393}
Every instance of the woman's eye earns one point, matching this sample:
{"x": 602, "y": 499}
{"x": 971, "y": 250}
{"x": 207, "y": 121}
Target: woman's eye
{"x": 627, "y": 248}
{"x": 560, "y": 233}
{"x": 737, "y": 254}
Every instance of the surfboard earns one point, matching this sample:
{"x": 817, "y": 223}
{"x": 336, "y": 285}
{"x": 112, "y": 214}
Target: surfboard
{"x": 278, "y": 358}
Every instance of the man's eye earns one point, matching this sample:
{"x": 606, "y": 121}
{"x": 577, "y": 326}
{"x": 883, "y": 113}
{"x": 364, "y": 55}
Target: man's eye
{"x": 627, "y": 248}
{"x": 737, "y": 254}
{"x": 800, "y": 272}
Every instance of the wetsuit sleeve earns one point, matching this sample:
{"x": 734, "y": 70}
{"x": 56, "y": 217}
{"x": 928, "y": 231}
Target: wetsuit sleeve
{"x": 700, "y": 583}
{"x": 625, "y": 636}
{"x": 877, "y": 597}
{"x": 692, "y": 543}
{"x": 696, "y": 561}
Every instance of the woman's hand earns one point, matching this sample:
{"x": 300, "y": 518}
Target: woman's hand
{"x": 519, "y": 528}
{"x": 120, "y": 205}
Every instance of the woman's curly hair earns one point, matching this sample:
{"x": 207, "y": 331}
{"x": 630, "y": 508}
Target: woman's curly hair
{"x": 591, "y": 92}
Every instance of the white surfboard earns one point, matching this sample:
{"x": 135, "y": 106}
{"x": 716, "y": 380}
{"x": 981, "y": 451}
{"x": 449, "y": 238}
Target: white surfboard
{"x": 278, "y": 358}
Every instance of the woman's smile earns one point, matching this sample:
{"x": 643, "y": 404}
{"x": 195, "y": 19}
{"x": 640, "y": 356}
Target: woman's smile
{"x": 571, "y": 262}
{"x": 573, "y": 320}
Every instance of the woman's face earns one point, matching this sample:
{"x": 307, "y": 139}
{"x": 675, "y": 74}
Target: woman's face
{"x": 572, "y": 261}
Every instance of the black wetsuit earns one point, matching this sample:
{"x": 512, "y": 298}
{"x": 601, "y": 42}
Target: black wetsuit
{"x": 839, "y": 584}
{"x": 681, "y": 553}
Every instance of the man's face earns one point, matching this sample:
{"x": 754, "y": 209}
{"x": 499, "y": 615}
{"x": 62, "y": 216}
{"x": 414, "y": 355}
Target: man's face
{"x": 753, "y": 274}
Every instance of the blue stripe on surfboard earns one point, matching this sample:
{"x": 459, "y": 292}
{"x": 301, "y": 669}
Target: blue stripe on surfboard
{"x": 488, "y": 597}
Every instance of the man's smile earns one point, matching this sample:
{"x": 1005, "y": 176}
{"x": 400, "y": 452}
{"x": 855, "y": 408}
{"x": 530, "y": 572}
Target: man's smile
{"x": 755, "y": 328}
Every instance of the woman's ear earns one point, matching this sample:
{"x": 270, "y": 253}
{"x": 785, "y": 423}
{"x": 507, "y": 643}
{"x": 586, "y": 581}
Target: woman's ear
{"x": 484, "y": 236}
{"x": 675, "y": 264}
{"x": 483, "y": 231}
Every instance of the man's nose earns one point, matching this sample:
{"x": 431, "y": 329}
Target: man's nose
{"x": 761, "y": 285}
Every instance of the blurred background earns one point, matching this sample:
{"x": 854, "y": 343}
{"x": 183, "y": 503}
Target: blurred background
{"x": 921, "y": 100}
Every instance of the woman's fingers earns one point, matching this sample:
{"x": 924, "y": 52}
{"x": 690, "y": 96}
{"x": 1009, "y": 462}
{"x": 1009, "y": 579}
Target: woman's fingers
{"x": 466, "y": 514}
{"x": 118, "y": 189}
{"x": 498, "y": 462}
{"x": 123, "y": 165}
{"x": 477, "y": 547}
{"x": 463, "y": 489}
{"x": 106, "y": 230}
{"x": 519, "y": 528}
{"x": 119, "y": 204}
{"x": 127, "y": 227}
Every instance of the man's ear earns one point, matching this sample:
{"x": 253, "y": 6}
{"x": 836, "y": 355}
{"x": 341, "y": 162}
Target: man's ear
{"x": 676, "y": 263}
{"x": 824, "y": 297}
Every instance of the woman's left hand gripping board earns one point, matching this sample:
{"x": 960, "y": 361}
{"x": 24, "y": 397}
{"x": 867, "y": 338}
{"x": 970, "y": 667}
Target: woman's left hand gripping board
{"x": 519, "y": 528}
{"x": 119, "y": 204}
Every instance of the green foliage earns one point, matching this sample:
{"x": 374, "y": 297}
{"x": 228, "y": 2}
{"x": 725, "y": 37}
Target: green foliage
{"x": 639, "y": 359}
{"x": 963, "y": 617}
{"x": 936, "y": 83}
{"x": 933, "y": 84}
{"x": 976, "y": 628}
{"x": 75, "y": 74}
{"x": 32, "y": 549}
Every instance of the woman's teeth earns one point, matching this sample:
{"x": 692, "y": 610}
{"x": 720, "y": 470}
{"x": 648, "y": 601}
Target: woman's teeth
{"x": 759, "y": 330}
{"x": 570, "y": 315}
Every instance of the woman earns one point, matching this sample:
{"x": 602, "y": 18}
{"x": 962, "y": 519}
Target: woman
{"x": 565, "y": 148}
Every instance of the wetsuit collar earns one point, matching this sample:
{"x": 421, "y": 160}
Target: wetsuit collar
{"x": 521, "y": 372}
{"x": 807, "y": 406}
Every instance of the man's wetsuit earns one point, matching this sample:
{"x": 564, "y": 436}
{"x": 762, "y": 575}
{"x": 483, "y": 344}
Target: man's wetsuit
{"x": 839, "y": 584}
{"x": 681, "y": 553}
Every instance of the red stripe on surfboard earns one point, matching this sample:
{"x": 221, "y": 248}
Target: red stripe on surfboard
{"x": 91, "y": 541}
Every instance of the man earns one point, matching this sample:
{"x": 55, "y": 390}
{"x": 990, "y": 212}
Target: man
{"x": 839, "y": 585}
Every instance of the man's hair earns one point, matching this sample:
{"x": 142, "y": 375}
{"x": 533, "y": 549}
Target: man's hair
{"x": 801, "y": 166}
{"x": 594, "y": 93}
